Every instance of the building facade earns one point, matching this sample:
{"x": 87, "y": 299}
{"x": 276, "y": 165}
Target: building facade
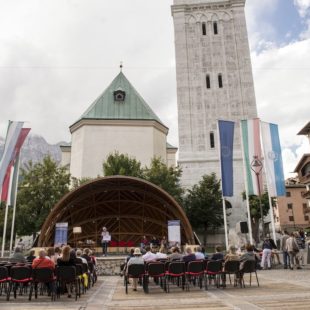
{"x": 214, "y": 81}
{"x": 291, "y": 212}
{"x": 118, "y": 120}
{"x": 303, "y": 167}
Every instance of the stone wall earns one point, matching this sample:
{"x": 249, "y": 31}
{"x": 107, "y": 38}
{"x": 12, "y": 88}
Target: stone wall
{"x": 109, "y": 266}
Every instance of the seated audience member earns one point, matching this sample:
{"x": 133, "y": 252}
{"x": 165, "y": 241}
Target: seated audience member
{"x": 149, "y": 255}
{"x": 42, "y": 261}
{"x": 144, "y": 242}
{"x": 124, "y": 265}
{"x": 31, "y": 256}
{"x": 175, "y": 255}
{"x": 51, "y": 254}
{"x": 199, "y": 254}
{"x": 249, "y": 255}
{"x": 77, "y": 260}
{"x": 203, "y": 251}
{"x": 17, "y": 256}
{"x": 189, "y": 255}
{"x": 93, "y": 258}
{"x": 218, "y": 255}
{"x": 232, "y": 254}
{"x": 164, "y": 244}
{"x": 161, "y": 253}
{"x": 154, "y": 242}
{"x": 86, "y": 255}
{"x": 79, "y": 256}
{"x": 57, "y": 254}
{"x": 136, "y": 260}
{"x": 66, "y": 259}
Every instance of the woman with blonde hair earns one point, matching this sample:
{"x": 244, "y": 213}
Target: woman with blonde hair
{"x": 232, "y": 254}
{"x": 66, "y": 260}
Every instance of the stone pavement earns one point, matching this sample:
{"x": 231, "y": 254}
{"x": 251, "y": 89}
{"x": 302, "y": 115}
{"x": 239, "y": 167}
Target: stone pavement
{"x": 279, "y": 289}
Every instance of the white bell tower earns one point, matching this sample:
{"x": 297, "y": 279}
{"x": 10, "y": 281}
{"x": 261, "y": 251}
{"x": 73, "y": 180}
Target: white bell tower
{"x": 214, "y": 81}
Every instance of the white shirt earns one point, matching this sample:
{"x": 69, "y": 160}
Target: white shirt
{"x": 199, "y": 255}
{"x": 149, "y": 256}
{"x": 160, "y": 255}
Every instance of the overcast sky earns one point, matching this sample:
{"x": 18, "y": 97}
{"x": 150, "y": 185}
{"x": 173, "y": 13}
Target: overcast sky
{"x": 57, "y": 56}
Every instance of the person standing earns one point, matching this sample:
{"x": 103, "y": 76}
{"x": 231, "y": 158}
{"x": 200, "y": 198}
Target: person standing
{"x": 301, "y": 246}
{"x": 286, "y": 257}
{"x": 292, "y": 249}
{"x": 266, "y": 257}
{"x": 105, "y": 239}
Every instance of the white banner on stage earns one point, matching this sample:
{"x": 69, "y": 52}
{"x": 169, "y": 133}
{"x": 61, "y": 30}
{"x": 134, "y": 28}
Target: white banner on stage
{"x": 174, "y": 232}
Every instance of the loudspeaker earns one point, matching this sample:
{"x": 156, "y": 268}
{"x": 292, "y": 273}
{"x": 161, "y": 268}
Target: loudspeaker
{"x": 244, "y": 227}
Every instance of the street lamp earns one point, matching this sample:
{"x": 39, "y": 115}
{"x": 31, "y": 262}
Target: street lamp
{"x": 257, "y": 167}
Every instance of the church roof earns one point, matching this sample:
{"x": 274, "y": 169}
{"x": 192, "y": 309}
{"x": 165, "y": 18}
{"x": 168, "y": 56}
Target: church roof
{"x": 133, "y": 107}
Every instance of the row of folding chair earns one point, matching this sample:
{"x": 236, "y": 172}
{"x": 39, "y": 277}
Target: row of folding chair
{"x": 195, "y": 273}
{"x": 18, "y": 278}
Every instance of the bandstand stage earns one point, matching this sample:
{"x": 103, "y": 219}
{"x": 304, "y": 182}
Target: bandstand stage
{"x": 129, "y": 207}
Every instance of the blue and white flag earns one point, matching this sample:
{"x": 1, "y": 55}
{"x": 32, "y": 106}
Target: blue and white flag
{"x": 226, "y": 134}
{"x": 273, "y": 159}
{"x": 12, "y": 135}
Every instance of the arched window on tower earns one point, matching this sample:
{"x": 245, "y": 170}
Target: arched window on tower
{"x": 212, "y": 142}
{"x": 204, "y": 29}
{"x": 215, "y": 30}
{"x": 220, "y": 80}
{"x": 208, "y": 83}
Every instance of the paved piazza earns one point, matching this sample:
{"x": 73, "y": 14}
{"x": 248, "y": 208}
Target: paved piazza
{"x": 279, "y": 289}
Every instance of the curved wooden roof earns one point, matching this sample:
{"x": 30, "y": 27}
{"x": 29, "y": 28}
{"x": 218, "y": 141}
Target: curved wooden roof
{"x": 129, "y": 207}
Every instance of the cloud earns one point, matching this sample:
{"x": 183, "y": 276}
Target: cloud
{"x": 282, "y": 82}
{"x": 260, "y": 27}
{"x": 303, "y": 7}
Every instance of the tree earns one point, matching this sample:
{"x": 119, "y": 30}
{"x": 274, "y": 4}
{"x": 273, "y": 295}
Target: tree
{"x": 43, "y": 184}
{"x": 203, "y": 205}
{"x": 76, "y": 182}
{"x": 255, "y": 212}
{"x": 121, "y": 164}
{"x": 168, "y": 178}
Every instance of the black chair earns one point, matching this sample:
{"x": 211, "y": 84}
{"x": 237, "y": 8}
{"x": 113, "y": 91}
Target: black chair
{"x": 80, "y": 279}
{"x": 176, "y": 271}
{"x": 86, "y": 271}
{"x": 195, "y": 272}
{"x": 135, "y": 271}
{"x": 92, "y": 270}
{"x": 4, "y": 279}
{"x": 20, "y": 278}
{"x": 214, "y": 270}
{"x": 45, "y": 277}
{"x": 156, "y": 270}
{"x": 232, "y": 267}
{"x": 67, "y": 275}
{"x": 248, "y": 267}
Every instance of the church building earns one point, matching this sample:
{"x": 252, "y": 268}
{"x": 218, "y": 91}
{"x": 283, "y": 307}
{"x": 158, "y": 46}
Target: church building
{"x": 214, "y": 82}
{"x": 118, "y": 120}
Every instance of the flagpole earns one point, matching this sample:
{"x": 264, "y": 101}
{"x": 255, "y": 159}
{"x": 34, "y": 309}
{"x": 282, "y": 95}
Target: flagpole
{"x": 225, "y": 222}
{"x": 223, "y": 200}
{"x": 4, "y": 228}
{"x": 16, "y": 174}
{"x": 246, "y": 187}
{"x": 273, "y": 227}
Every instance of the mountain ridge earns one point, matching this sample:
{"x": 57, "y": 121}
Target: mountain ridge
{"x": 35, "y": 148}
